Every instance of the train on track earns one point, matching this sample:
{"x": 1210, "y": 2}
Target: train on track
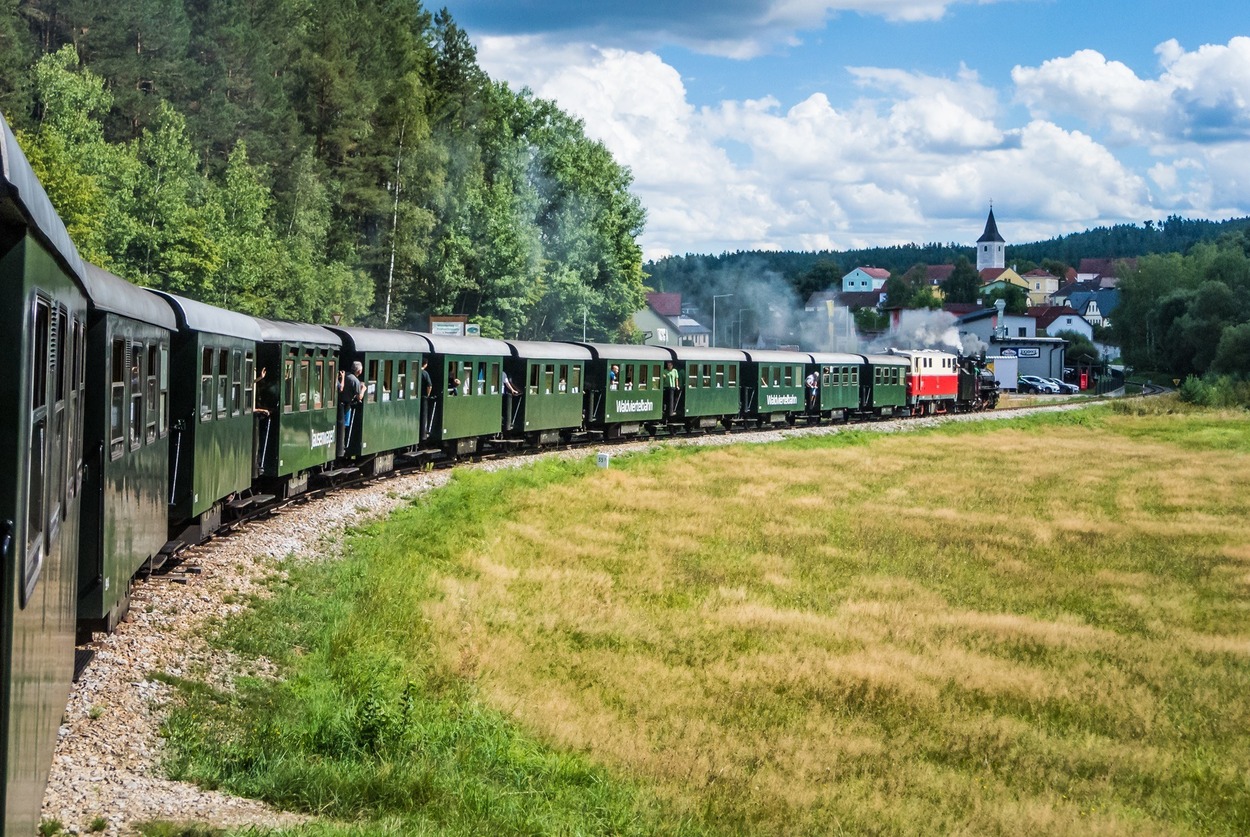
{"x": 136, "y": 420}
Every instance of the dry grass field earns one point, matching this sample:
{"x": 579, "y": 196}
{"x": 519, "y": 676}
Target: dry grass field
{"x": 1042, "y": 629}
{"x": 1039, "y": 626}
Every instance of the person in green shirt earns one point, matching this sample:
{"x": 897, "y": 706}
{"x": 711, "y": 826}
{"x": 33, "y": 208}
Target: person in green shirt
{"x": 672, "y": 386}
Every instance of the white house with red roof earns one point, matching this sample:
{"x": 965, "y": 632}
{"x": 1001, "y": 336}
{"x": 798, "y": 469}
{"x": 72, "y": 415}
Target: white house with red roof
{"x": 1056, "y": 318}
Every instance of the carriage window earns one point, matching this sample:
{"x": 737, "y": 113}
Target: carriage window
{"x": 75, "y": 385}
{"x": 388, "y": 374}
{"x": 733, "y": 376}
{"x": 549, "y": 378}
{"x": 62, "y": 341}
{"x": 789, "y": 375}
{"x": 371, "y": 382}
{"x": 481, "y": 378}
{"x": 854, "y": 376}
{"x": 153, "y": 401}
{"x": 162, "y": 386}
{"x": 236, "y": 382}
{"x": 249, "y": 382}
{"x": 534, "y": 373}
{"x": 117, "y": 401}
{"x": 223, "y": 386}
{"x": 288, "y": 385}
{"x": 575, "y": 383}
{"x": 331, "y": 381}
{"x": 135, "y": 391}
{"x": 563, "y": 384}
{"x": 41, "y": 334}
{"x": 720, "y": 376}
{"x": 707, "y": 376}
{"x": 401, "y": 381}
{"x": 776, "y": 376}
{"x": 642, "y": 376}
{"x": 301, "y": 384}
{"x": 846, "y": 376}
{"x": 692, "y": 375}
{"x": 466, "y": 378}
{"x": 629, "y": 376}
{"x": 494, "y": 379}
{"x": 206, "y": 385}
{"x": 318, "y": 383}
{"x": 764, "y": 378}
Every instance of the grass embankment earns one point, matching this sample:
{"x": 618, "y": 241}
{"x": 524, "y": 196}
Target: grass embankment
{"x": 1033, "y": 628}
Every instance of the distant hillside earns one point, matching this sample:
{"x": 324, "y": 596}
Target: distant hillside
{"x": 689, "y": 273}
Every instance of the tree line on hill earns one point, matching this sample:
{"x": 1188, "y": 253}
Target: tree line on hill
{"x": 1184, "y": 310}
{"x": 1189, "y": 314}
{"x": 306, "y": 160}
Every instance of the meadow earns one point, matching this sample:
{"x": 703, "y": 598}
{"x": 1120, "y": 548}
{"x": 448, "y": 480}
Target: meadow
{"x": 1035, "y": 626}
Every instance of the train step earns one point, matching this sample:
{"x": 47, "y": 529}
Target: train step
{"x": 349, "y": 471}
{"x": 82, "y": 658}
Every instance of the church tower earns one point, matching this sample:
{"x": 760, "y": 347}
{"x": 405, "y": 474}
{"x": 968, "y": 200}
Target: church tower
{"x": 990, "y": 246}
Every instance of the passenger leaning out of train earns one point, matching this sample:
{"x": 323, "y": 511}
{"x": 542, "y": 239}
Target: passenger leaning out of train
{"x": 813, "y": 389}
{"x": 614, "y": 376}
{"x": 263, "y": 403}
{"x": 453, "y": 383}
{"x": 672, "y": 385}
{"x": 427, "y": 383}
{"x": 351, "y": 392}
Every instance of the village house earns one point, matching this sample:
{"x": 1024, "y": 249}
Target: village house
{"x": 863, "y": 279}
{"x": 663, "y": 323}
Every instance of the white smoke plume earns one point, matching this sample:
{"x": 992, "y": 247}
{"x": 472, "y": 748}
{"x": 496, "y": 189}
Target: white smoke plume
{"x": 921, "y": 329}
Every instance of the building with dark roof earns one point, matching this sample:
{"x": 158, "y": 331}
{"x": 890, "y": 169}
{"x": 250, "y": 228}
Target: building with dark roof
{"x": 663, "y": 323}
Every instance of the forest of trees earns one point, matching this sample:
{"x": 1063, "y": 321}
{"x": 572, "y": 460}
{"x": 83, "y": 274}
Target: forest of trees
{"x": 1189, "y": 314}
{"x": 307, "y": 160}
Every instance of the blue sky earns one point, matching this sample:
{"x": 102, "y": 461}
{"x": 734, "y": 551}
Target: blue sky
{"x": 809, "y": 124}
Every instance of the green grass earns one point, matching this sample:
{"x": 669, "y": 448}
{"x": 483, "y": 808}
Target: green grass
{"x": 1034, "y": 626}
{"x": 369, "y": 725}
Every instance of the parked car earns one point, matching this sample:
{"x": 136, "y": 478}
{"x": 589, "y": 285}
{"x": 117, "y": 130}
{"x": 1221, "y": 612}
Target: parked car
{"x": 1064, "y": 387}
{"x": 1032, "y": 383}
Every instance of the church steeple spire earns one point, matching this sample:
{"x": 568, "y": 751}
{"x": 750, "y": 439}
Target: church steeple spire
{"x": 991, "y": 248}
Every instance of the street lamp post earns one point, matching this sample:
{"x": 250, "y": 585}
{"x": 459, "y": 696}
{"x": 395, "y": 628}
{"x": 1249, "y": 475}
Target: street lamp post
{"x": 740, "y": 312}
{"x": 714, "y": 298}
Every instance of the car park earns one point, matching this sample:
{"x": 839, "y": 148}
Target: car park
{"x": 1034, "y": 384}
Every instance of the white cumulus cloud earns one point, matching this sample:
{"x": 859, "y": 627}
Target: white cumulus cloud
{"x": 915, "y": 158}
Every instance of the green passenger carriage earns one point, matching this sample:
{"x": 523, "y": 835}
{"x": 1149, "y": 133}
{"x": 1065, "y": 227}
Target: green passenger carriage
{"x": 772, "y": 391}
{"x": 390, "y": 421}
{"x": 550, "y": 380}
{"x": 839, "y": 384}
{"x": 299, "y": 396}
{"x": 884, "y": 384}
{"x": 624, "y": 387}
{"x": 126, "y": 443}
{"x": 468, "y": 390}
{"x": 40, "y": 481}
{"x": 212, "y": 452}
{"x": 710, "y": 383}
